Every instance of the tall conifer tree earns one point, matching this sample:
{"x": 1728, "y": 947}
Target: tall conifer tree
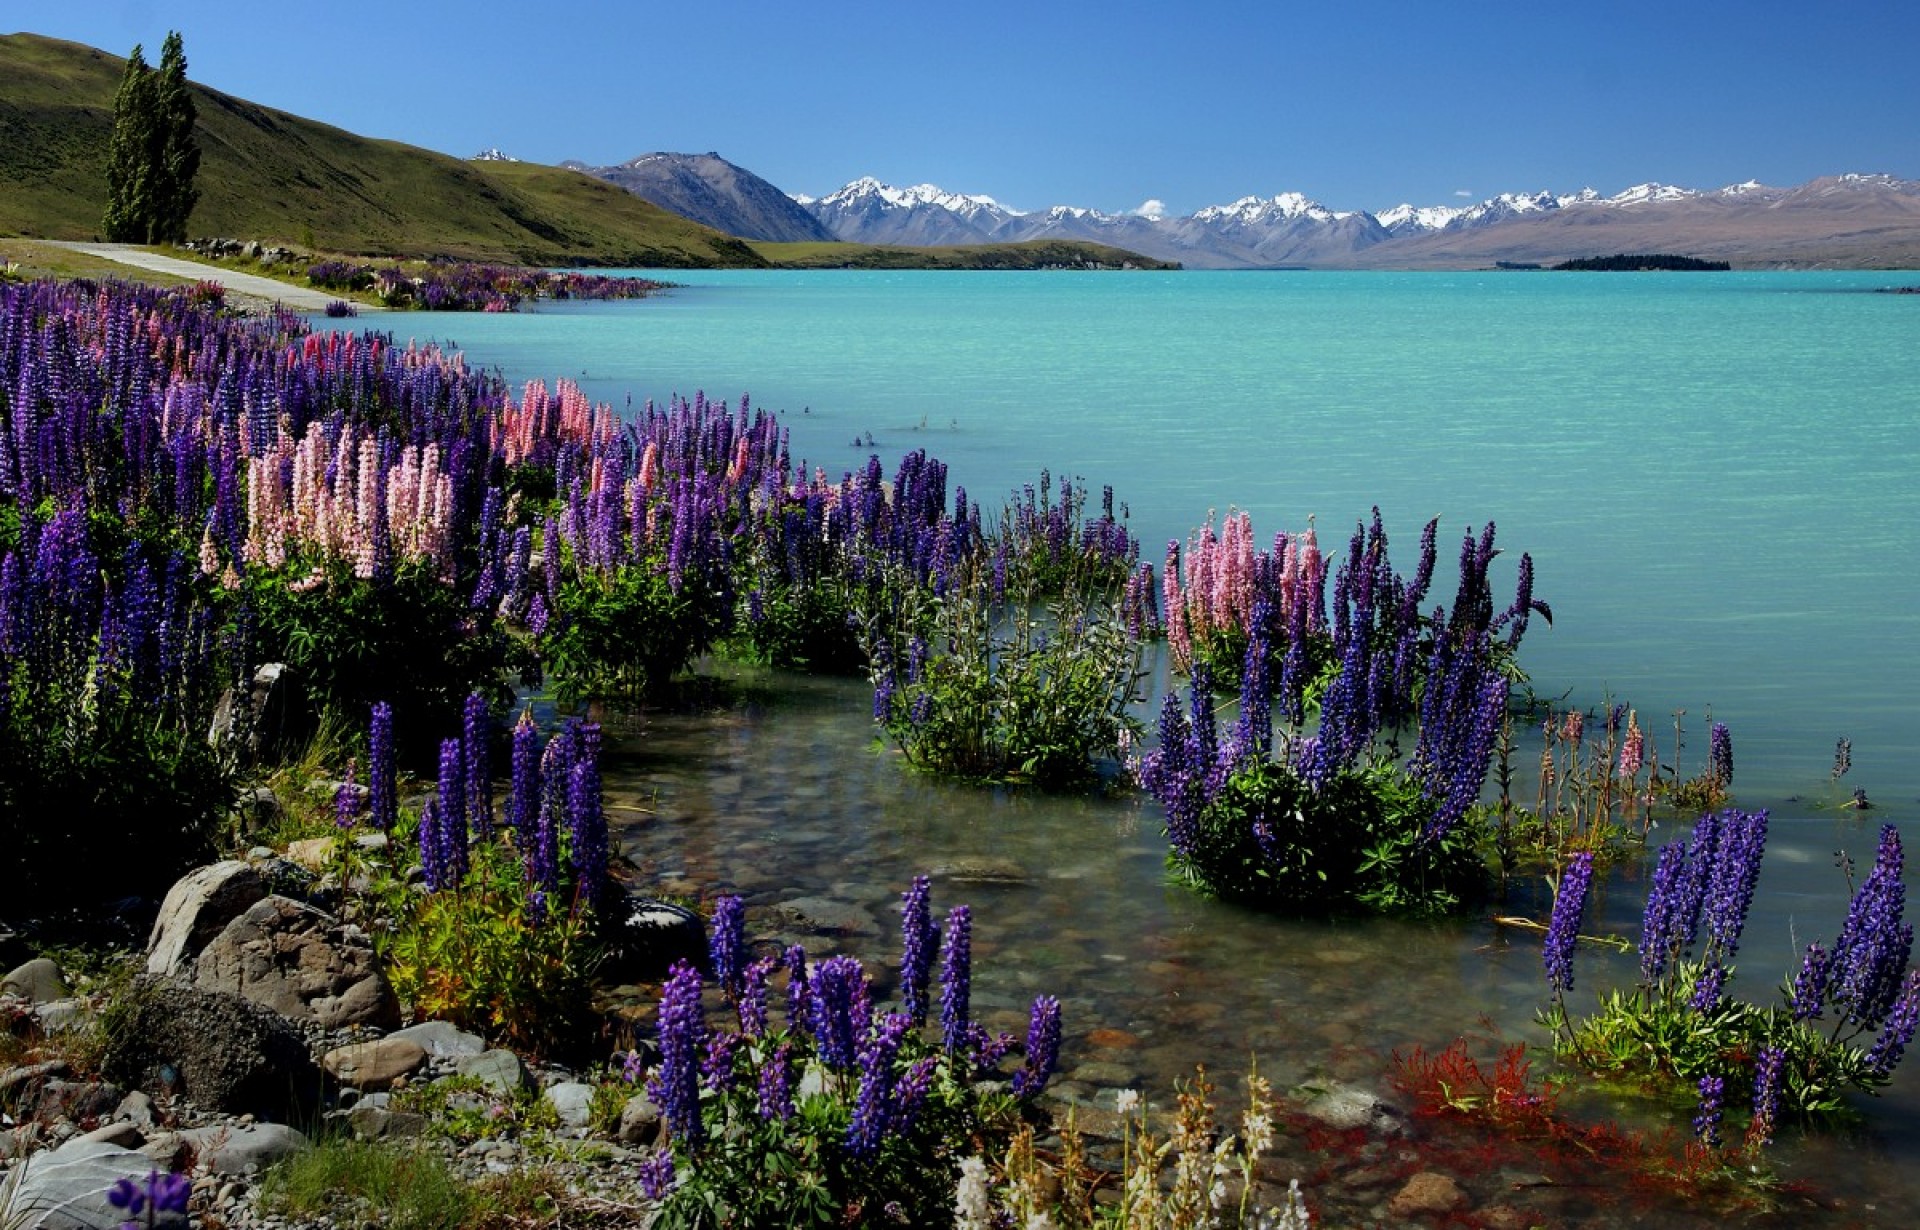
{"x": 177, "y": 159}
{"x": 130, "y": 178}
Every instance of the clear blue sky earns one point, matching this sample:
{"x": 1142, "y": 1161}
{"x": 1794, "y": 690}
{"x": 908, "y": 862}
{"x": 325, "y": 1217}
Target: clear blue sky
{"x": 1359, "y": 106}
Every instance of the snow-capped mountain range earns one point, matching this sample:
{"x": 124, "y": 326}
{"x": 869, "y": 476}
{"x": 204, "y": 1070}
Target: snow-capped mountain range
{"x": 1836, "y": 220}
{"x": 1289, "y": 228}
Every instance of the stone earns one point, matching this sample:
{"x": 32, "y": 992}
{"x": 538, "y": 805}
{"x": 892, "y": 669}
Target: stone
{"x": 312, "y": 853}
{"x": 136, "y": 1108}
{"x": 276, "y": 718}
{"x": 242, "y": 1148}
{"x": 63, "y": 1016}
{"x": 572, "y": 1103}
{"x": 302, "y": 963}
{"x": 1427, "y": 1193}
{"x": 38, "y": 981}
{"x": 20, "y": 1087}
{"x": 227, "y": 1054}
{"x": 379, "y": 1123}
{"x": 651, "y": 936}
{"x": 441, "y": 1039}
{"x": 375, "y": 1065}
{"x": 825, "y": 916}
{"x": 1343, "y": 1107}
{"x": 126, "y": 1135}
{"x": 639, "y": 1121}
{"x": 80, "y": 1102}
{"x": 197, "y": 908}
{"x": 66, "y": 1188}
{"x": 500, "y": 1071}
{"x": 259, "y": 808}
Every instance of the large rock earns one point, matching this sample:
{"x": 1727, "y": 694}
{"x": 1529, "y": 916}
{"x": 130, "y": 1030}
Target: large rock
{"x": 376, "y": 1065}
{"x": 225, "y": 1053}
{"x": 38, "y": 981}
{"x": 649, "y": 937}
{"x": 442, "y": 1039}
{"x": 242, "y": 1148}
{"x": 66, "y": 1188}
{"x": 197, "y": 908}
{"x": 274, "y": 720}
{"x": 302, "y": 963}
{"x": 499, "y": 1070}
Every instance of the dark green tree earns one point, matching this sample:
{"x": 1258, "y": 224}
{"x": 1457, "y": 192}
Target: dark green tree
{"x": 177, "y": 157}
{"x": 152, "y": 159}
{"x": 130, "y": 169}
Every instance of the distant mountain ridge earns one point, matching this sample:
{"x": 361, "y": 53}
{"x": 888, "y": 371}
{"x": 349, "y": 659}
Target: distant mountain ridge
{"x": 716, "y": 193}
{"x": 1840, "y": 220}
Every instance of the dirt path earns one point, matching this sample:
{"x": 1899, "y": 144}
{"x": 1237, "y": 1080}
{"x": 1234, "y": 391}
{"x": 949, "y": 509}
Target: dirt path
{"x": 299, "y": 298}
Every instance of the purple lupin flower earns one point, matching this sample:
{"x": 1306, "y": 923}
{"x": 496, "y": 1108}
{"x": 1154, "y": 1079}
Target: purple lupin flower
{"x": 717, "y": 1068}
{"x": 383, "y": 803}
{"x": 776, "y": 1085}
{"x": 656, "y": 1174}
{"x": 1897, "y": 1033}
{"x": 873, "y": 1103}
{"x": 798, "y": 1006}
{"x": 675, "y": 1084}
{"x": 1720, "y": 755}
{"x": 1810, "y": 985}
{"x": 587, "y": 826}
{"x": 751, "y": 1006}
{"x": 1870, "y": 957}
{"x": 523, "y": 799}
{"x": 1657, "y": 946}
{"x": 956, "y": 979}
{"x": 432, "y": 869}
{"x": 839, "y": 1004}
{"x": 346, "y": 799}
{"x": 727, "y": 944}
{"x": 1043, "y": 1048}
{"x": 476, "y": 736}
{"x": 918, "y": 937}
{"x": 1768, "y": 1067}
{"x": 451, "y": 834}
{"x": 1706, "y": 1119}
{"x": 1707, "y": 988}
{"x": 1563, "y": 928}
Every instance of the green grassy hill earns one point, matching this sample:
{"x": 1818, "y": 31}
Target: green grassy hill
{"x": 279, "y": 178}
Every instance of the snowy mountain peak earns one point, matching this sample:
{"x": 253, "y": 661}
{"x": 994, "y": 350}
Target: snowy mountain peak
{"x": 492, "y": 154}
{"x": 1651, "y": 193}
{"x": 867, "y": 189}
{"x": 1253, "y": 210}
{"x": 1407, "y": 219}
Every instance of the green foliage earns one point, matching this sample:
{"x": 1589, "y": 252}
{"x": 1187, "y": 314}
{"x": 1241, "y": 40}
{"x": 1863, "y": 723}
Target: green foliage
{"x": 750, "y": 1171}
{"x": 628, "y": 632}
{"x": 412, "y": 642}
{"x": 479, "y": 956}
{"x": 1655, "y": 1035}
{"x": 1360, "y": 842}
{"x": 396, "y": 1188}
{"x": 1010, "y": 691}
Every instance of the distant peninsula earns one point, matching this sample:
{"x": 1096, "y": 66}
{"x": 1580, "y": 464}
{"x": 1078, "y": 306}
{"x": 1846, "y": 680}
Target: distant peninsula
{"x": 1642, "y": 262}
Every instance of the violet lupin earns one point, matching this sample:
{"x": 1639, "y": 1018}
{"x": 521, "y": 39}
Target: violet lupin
{"x": 451, "y": 835}
{"x": 918, "y": 938}
{"x": 727, "y": 944}
{"x": 1706, "y": 1119}
{"x": 523, "y": 799}
{"x": 1769, "y": 1066}
{"x": 1720, "y": 755}
{"x": 956, "y": 980}
{"x": 1869, "y": 959}
{"x": 1563, "y": 928}
{"x": 1043, "y": 1048}
{"x": 1897, "y": 1034}
{"x": 751, "y": 1007}
{"x": 775, "y": 1089}
{"x": 873, "y": 1103}
{"x": 840, "y": 1007}
{"x": 476, "y": 738}
{"x": 675, "y": 1084}
{"x": 382, "y": 786}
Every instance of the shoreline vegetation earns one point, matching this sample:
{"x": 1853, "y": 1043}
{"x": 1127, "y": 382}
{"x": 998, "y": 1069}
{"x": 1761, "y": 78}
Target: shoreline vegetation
{"x": 272, "y": 606}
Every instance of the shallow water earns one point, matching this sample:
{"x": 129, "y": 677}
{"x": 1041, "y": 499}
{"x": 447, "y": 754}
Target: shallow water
{"x": 1713, "y": 473}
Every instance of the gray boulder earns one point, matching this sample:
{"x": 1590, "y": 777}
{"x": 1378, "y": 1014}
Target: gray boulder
{"x": 650, "y": 936}
{"x": 500, "y": 1071}
{"x": 38, "y": 981}
{"x": 441, "y": 1039}
{"x": 572, "y": 1102}
{"x": 197, "y": 908}
{"x": 66, "y": 1188}
{"x": 302, "y": 963}
{"x": 241, "y": 1148}
{"x": 224, "y": 1052}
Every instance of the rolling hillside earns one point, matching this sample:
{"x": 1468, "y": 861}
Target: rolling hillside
{"x": 276, "y": 177}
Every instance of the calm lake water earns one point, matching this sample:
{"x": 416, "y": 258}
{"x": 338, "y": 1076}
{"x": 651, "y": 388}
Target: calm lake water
{"x": 1715, "y": 475}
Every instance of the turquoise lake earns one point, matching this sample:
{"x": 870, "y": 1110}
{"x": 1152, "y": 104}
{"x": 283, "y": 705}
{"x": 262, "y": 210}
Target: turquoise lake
{"x": 1714, "y": 473}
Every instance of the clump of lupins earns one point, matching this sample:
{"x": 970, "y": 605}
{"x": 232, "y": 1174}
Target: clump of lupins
{"x": 1846, "y": 1017}
{"x": 1325, "y": 812}
{"x": 452, "y": 286}
{"x": 1210, "y": 594}
{"x": 862, "y": 1105}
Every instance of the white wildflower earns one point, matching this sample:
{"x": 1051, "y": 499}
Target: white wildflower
{"x": 1127, "y": 1101}
{"x": 972, "y": 1205}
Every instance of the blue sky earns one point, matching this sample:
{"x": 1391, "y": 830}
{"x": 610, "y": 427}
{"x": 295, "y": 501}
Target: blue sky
{"x": 1108, "y": 106}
